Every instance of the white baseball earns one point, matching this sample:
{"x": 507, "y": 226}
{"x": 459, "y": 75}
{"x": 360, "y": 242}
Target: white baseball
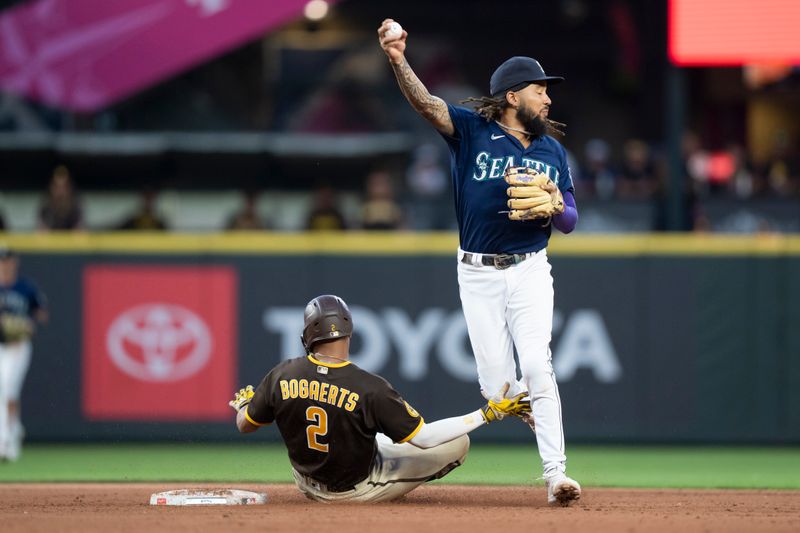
{"x": 394, "y": 31}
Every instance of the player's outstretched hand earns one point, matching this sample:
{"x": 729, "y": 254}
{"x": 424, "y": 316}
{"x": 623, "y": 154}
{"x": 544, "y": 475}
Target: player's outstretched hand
{"x": 500, "y": 405}
{"x": 393, "y": 44}
{"x": 242, "y": 398}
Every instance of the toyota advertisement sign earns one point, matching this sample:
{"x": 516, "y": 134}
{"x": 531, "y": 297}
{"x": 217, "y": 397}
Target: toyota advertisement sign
{"x": 153, "y": 347}
{"x": 159, "y": 342}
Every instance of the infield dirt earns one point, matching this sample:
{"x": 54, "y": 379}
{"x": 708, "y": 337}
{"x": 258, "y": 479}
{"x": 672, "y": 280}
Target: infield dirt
{"x": 440, "y": 508}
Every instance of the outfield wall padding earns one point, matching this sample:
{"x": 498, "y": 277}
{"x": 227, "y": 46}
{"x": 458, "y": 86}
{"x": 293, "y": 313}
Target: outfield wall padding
{"x": 655, "y": 340}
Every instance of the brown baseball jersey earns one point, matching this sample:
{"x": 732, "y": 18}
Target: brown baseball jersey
{"x": 328, "y": 415}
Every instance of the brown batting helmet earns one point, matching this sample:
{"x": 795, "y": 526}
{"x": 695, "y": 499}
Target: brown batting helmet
{"x": 326, "y": 318}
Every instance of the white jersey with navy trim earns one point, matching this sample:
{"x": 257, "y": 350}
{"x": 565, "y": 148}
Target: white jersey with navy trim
{"x": 480, "y": 152}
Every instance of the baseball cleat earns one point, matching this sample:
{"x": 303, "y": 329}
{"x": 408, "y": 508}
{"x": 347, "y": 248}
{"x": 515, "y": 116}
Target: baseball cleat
{"x": 562, "y": 490}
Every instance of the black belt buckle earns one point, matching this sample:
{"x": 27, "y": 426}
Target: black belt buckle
{"x": 503, "y": 261}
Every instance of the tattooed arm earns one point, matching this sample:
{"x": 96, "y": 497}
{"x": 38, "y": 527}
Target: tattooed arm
{"x": 432, "y": 108}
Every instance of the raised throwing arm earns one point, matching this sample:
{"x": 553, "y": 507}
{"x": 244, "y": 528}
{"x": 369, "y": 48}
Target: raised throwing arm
{"x": 432, "y": 108}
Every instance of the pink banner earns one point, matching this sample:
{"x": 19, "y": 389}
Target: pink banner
{"x": 83, "y": 55}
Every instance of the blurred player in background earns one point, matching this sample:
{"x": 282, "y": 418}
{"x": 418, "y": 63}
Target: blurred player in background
{"x": 21, "y": 306}
{"x": 349, "y": 434}
{"x": 504, "y": 278}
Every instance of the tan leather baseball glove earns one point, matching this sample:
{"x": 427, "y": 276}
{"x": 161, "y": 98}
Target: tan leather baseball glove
{"x": 532, "y": 195}
{"x": 14, "y": 328}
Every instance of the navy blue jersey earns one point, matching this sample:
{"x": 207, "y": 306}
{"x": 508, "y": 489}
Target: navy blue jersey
{"x": 21, "y": 299}
{"x": 480, "y": 151}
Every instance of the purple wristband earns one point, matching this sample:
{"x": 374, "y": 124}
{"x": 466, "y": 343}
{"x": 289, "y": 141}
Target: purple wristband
{"x": 566, "y": 221}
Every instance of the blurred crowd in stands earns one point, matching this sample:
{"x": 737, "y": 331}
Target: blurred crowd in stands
{"x": 420, "y": 196}
{"x": 641, "y": 171}
{"x": 281, "y": 84}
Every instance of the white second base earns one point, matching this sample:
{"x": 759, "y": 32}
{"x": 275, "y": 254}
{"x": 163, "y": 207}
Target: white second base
{"x": 208, "y": 497}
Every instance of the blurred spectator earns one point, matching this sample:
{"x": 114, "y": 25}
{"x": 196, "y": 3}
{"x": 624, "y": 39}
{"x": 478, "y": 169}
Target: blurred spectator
{"x": 428, "y": 181}
{"x": 60, "y": 208}
{"x": 2, "y": 222}
{"x": 380, "y": 210}
{"x": 694, "y": 160}
{"x": 783, "y": 169}
{"x": 146, "y": 218}
{"x": 637, "y": 178}
{"x": 247, "y": 218}
{"x": 717, "y": 172}
{"x": 721, "y": 167}
{"x": 325, "y": 214}
{"x": 597, "y": 179}
{"x": 742, "y": 179}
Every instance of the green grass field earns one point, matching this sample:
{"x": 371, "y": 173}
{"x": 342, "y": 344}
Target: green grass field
{"x": 608, "y": 466}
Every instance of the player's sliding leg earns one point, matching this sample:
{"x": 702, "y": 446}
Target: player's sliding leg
{"x": 414, "y": 466}
{"x": 399, "y": 469}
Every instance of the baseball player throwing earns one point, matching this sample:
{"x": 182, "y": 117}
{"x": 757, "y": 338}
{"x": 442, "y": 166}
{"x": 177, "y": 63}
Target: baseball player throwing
{"x": 349, "y": 434}
{"x": 512, "y": 185}
{"x": 21, "y": 305}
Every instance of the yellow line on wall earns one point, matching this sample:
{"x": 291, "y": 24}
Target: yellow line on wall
{"x": 390, "y": 243}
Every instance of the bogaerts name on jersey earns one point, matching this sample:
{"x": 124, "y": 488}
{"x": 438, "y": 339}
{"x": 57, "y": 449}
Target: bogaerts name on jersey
{"x": 321, "y": 392}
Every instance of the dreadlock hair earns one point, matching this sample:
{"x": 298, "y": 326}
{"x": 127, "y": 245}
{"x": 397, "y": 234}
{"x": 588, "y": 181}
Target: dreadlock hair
{"x": 488, "y": 107}
{"x": 492, "y": 107}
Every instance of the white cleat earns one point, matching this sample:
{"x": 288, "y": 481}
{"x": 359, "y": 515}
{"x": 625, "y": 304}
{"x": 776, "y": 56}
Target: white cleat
{"x": 13, "y": 447}
{"x": 562, "y": 490}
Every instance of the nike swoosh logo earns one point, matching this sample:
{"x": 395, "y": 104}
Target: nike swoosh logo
{"x": 495, "y": 137}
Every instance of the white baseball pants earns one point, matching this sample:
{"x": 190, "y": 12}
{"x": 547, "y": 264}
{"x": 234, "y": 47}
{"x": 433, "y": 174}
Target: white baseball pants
{"x": 15, "y": 358}
{"x": 508, "y": 308}
{"x": 398, "y": 469}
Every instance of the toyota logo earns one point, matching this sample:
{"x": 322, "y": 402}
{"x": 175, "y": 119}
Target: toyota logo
{"x": 159, "y": 342}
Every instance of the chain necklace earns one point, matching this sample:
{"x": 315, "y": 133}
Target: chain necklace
{"x": 513, "y": 129}
{"x": 318, "y": 355}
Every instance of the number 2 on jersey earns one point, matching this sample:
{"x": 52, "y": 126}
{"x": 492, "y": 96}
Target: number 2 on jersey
{"x": 319, "y": 418}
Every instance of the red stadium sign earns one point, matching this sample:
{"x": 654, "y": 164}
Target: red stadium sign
{"x": 734, "y": 32}
{"x": 159, "y": 342}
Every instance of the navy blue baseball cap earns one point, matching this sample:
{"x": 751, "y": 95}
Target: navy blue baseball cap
{"x": 516, "y": 73}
